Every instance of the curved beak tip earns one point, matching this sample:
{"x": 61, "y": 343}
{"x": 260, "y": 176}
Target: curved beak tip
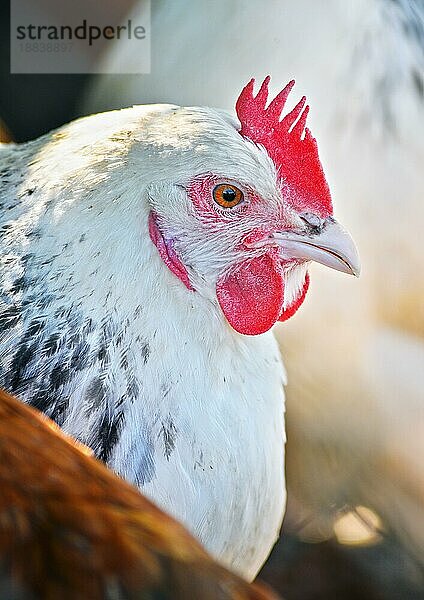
{"x": 332, "y": 247}
{"x": 356, "y": 269}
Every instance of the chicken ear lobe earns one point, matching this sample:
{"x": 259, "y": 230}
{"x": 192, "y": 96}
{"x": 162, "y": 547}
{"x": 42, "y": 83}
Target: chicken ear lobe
{"x": 251, "y": 295}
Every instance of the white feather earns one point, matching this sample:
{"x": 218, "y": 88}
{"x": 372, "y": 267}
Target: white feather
{"x": 78, "y": 202}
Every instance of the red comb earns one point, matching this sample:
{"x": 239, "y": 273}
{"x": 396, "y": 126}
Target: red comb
{"x": 291, "y": 147}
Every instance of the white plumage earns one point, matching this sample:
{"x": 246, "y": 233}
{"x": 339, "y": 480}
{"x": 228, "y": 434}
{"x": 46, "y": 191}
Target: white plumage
{"x": 103, "y": 337}
{"x": 355, "y": 388}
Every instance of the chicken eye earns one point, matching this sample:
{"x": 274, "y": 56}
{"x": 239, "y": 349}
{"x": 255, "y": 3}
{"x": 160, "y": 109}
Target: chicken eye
{"x": 227, "y": 195}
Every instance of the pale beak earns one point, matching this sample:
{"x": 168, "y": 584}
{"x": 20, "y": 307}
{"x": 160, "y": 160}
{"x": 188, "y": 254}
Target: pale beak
{"x": 330, "y": 245}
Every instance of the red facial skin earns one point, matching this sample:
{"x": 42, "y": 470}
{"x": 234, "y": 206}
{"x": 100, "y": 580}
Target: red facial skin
{"x": 167, "y": 252}
{"x": 251, "y": 294}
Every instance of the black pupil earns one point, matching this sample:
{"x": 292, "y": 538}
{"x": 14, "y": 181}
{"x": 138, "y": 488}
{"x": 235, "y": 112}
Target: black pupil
{"x": 229, "y": 195}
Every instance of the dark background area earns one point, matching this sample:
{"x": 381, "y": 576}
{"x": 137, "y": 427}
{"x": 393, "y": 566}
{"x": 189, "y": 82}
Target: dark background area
{"x": 31, "y": 105}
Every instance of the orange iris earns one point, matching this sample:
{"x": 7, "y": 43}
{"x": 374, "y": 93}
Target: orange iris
{"x": 227, "y": 195}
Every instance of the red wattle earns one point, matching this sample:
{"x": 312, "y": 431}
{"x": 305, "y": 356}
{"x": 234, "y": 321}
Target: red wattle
{"x": 290, "y": 310}
{"x": 251, "y": 295}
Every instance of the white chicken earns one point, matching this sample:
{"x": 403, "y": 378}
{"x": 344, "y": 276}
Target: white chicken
{"x": 145, "y": 255}
{"x": 354, "y": 354}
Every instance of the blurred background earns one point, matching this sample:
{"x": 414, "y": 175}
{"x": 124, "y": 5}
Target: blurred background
{"x": 354, "y": 527}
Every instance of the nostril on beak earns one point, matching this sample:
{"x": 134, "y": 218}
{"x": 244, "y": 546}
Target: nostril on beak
{"x": 313, "y": 221}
